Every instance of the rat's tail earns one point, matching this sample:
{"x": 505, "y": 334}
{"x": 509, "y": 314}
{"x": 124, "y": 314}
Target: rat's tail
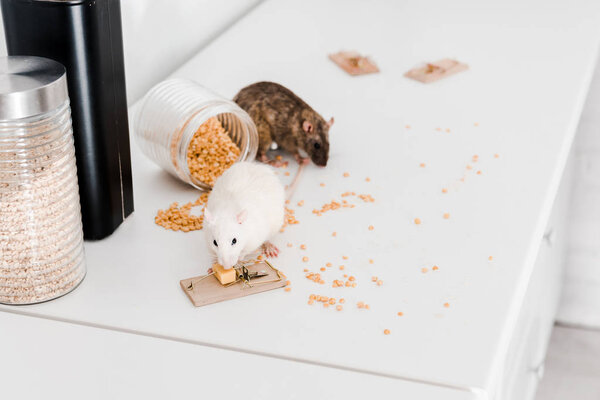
{"x": 291, "y": 188}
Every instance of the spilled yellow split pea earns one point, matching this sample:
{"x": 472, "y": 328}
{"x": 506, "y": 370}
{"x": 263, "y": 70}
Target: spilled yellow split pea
{"x": 446, "y": 305}
{"x": 400, "y": 313}
{"x": 379, "y": 282}
{"x": 386, "y": 332}
{"x": 490, "y": 258}
{"x": 371, "y": 227}
{"x": 328, "y": 264}
{"x": 303, "y": 246}
{"x": 368, "y": 179}
{"x": 446, "y": 215}
{"x": 371, "y": 261}
{"x": 417, "y": 221}
{"x": 444, "y": 190}
{"x": 322, "y": 184}
{"x": 345, "y": 257}
{"x": 305, "y": 259}
{"x": 300, "y": 203}
{"x": 422, "y": 165}
{"x": 435, "y": 268}
{"x": 339, "y": 307}
{"x": 346, "y": 174}
{"x": 424, "y": 270}
{"x": 479, "y": 172}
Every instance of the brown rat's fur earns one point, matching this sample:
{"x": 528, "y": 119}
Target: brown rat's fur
{"x": 282, "y": 117}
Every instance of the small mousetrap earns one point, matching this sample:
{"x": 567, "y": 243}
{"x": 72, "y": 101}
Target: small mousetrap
{"x": 432, "y": 72}
{"x": 251, "y": 278}
{"x": 353, "y": 63}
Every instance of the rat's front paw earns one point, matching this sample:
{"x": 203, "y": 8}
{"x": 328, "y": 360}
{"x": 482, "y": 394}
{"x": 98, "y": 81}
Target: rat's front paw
{"x": 302, "y": 160}
{"x": 270, "y": 249}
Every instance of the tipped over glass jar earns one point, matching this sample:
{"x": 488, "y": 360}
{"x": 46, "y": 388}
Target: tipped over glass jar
{"x": 192, "y": 132}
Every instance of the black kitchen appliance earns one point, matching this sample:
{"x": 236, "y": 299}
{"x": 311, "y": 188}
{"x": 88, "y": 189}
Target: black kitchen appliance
{"x": 86, "y": 37}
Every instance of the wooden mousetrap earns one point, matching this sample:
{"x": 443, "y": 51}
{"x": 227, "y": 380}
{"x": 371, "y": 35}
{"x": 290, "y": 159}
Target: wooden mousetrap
{"x": 353, "y": 63}
{"x": 251, "y": 278}
{"x": 432, "y": 72}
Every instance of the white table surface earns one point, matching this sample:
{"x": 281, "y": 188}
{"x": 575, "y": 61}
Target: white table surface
{"x": 530, "y": 66}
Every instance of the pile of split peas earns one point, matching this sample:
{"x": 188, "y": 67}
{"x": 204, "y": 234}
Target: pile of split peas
{"x": 210, "y": 153}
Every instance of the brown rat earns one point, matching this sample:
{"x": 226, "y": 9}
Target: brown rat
{"x": 284, "y": 118}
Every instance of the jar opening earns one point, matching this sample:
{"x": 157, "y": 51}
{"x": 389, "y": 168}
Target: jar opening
{"x": 242, "y": 139}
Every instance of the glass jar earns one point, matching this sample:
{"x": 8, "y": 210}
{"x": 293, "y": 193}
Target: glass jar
{"x": 169, "y": 116}
{"x": 41, "y": 237}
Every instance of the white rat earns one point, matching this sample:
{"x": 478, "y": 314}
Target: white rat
{"x": 244, "y": 210}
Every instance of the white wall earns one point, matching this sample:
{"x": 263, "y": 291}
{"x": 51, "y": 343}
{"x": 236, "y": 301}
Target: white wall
{"x": 160, "y": 35}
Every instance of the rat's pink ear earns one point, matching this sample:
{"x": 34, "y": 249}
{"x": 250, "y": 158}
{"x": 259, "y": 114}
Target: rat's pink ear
{"x": 307, "y": 126}
{"x": 208, "y": 216}
{"x": 330, "y": 122}
{"x": 241, "y": 217}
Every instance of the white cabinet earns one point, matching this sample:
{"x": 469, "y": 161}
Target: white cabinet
{"x": 524, "y": 364}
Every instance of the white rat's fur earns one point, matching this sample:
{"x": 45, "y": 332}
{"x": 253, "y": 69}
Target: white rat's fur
{"x": 246, "y": 203}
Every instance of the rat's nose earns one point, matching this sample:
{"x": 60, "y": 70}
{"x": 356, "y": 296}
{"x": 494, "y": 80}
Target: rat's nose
{"x": 229, "y": 262}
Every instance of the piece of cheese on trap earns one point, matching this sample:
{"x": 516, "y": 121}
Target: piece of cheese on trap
{"x": 224, "y": 276}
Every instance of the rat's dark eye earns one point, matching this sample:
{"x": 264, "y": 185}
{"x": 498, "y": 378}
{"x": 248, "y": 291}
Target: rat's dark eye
{"x": 215, "y": 243}
{"x": 234, "y": 241}
{"x": 317, "y": 145}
